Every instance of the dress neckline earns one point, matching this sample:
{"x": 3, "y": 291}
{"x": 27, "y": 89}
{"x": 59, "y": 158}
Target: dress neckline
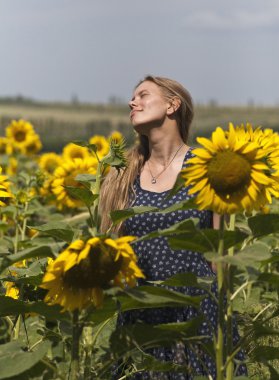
{"x": 165, "y": 191}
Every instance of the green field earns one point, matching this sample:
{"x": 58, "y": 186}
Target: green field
{"x": 59, "y": 123}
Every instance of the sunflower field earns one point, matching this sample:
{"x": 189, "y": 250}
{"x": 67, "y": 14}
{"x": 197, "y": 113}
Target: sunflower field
{"x": 63, "y": 284}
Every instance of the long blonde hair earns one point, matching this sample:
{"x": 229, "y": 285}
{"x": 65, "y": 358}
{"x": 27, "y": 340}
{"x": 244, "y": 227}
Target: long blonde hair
{"x": 117, "y": 190}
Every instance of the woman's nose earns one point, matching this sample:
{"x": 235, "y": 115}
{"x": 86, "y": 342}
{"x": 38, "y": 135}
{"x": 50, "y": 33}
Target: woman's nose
{"x": 132, "y": 103}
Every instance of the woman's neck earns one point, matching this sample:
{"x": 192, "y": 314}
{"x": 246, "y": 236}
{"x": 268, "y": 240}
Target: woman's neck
{"x": 162, "y": 150}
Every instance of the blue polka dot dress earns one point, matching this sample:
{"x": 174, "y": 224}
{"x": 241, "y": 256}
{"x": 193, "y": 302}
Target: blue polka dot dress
{"x": 159, "y": 262}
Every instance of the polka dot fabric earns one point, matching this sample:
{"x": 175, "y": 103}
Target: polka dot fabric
{"x": 159, "y": 262}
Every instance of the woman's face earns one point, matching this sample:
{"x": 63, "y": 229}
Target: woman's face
{"x": 148, "y": 106}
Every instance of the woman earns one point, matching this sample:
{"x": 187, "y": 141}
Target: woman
{"x": 161, "y": 114}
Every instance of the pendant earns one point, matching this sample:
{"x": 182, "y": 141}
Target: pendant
{"x": 153, "y": 180}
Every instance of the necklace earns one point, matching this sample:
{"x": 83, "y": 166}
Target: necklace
{"x": 154, "y": 178}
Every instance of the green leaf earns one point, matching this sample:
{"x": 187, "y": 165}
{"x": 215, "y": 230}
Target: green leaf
{"x": 4, "y": 226}
{"x": 147, "y": 336}
{"x": 86, "y": 179}
{"x": 5, "y": 330}
{"x": 80, "y": 143}
{"x": 184, "y": 226}
{"x": 264, "y": 353}
{"x": 260, "y": 330}
{"x": 31, "y": 275}
{"x": 250, "y": 256}
{"x": 152, "y": 364}
{"x": 204, "y": 240}
{"x": 83, "y": 194}
{"x": 184, "y": 205}
{"x": 10, "y": 306}
{"x": 142, "y": 297}
{"x": 264, "y": 224}
{"x": 155, "y": 296}
{"x": 188, "y": 279}
{"x": 274, "y": 374}
{"x": 191, "y": 325}
{"x": 42, "y": 251}
{"x": 57, "y": 230}
{"x": 271, "y": 278}
{"x": 121, "y": 215}
{"x": 92, "y": 147}
{"x": 15, "y": 361}
{"x": 109, "y": 308}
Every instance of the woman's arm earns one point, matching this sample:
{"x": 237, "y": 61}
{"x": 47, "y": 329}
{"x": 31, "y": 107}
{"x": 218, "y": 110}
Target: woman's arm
{"x": 216, "y": 225}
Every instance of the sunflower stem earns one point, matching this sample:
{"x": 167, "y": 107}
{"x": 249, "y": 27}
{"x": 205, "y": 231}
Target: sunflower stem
{"x": 16, "y": 232}
{"x": 220, "y": 282}
{"x": 229, "y": 320}
{"x": 99, "y": 330}
{"x": 24, "y": 224}
{"x": 74, "y": 367}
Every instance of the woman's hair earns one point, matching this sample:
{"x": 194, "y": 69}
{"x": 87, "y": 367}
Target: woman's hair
{"x": 117, "y": 189}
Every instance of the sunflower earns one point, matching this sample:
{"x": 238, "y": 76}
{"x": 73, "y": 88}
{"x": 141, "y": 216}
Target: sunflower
{"x": 77, "y": 277}
{"x": 11, "y": 289}
{"x": 101, "y": 143}
{"x": 229, "y": 174}
{"x": 18, "y": 131}
{"x": 72, "y": 151}
{"x": 48, "y": 162}
{"x": 12, "y": 167}
{"x": 32, "y": 145}
{"x": 268, "y": 141}
{"x": 116, "y": 136}
{"x": 3, "y": 145}
{"x": 5, "y": 193}
{"x": 65, "y": 174}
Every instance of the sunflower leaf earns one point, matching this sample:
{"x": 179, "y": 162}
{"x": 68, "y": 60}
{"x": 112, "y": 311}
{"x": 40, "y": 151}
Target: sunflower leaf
{"x": 185, "y": 226}
{"x": 42, "y": 251}
{"x": 205, "y": 240}
{"x": 264, "y": 224}
{"x": 15, "y": 361}
{"x": 154, "y": 296}
{"x": 184, "y": 205}
{"x": 274, "y": 374}
{"x": 93, "y": 147}
{"x": 264, "y": 353}
{"x": 11, "y": 306}
{"x": 80, "y": 143}
{"x": 118, "y": 216}
{"x": 270, "y": 278}
{"x": 83, "y": 194}
{"x": 58, "y": 230}
{"x": 147, "y": 336}
{"x": 251, "y": 256}
{"x": 86, "y": 179}
{"x": 188, "y": 279}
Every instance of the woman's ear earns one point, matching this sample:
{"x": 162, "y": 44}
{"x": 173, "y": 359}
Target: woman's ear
{"x": 173, "y": 106}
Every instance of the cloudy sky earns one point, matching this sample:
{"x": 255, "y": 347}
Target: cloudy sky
{"x": 226, "y": 51}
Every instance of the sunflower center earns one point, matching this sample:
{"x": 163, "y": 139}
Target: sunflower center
{"x": 31, "y": 147}
{"x": 228, "y": 172}
{"x": 51, "y": 165}
{"x": 97, "y": 270}
{"x": 20, "y": 136}
{"x": 77, "y": 154}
